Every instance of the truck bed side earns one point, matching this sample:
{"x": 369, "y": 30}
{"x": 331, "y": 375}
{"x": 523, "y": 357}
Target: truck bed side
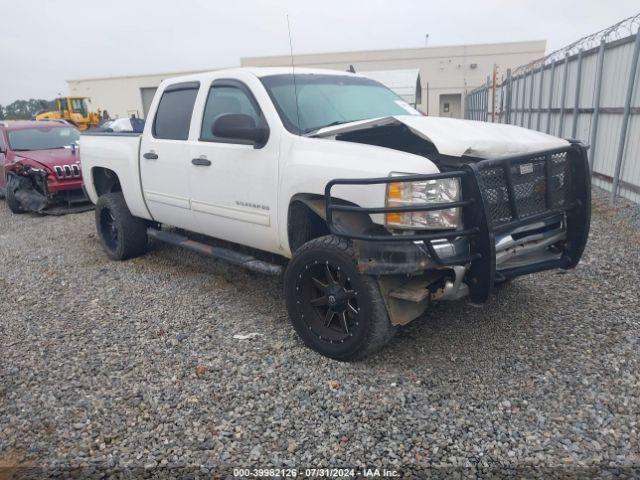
{"x": 119, "y": 153}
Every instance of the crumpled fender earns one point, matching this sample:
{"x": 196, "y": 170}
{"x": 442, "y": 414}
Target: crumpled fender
{"x": 25, "y": 192}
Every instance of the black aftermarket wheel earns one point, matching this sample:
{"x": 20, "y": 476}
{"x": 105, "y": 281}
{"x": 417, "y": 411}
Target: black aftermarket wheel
{"x": 335, "y": 309}
{"x": 122, "y": 235}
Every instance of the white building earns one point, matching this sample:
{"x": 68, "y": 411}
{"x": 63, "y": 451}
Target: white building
{"x": 445, "y": 74}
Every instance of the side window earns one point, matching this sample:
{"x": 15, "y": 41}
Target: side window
{"x": 78, "y": 106}
{"x": 227, "y": 99}
{"x": 173, "y": 116}
{"x": 63, "y": 104}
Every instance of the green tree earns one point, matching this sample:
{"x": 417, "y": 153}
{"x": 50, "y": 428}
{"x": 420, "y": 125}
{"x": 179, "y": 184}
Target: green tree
{"x": 24, "y": 109}
{"x": 1, "y": 112}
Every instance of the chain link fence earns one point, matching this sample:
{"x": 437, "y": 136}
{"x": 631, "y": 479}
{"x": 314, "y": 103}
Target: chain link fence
{"x": 588, "y": 90}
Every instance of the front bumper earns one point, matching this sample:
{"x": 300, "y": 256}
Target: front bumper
{"x": 33, "y": 189}
{"x": 521, "y": 214}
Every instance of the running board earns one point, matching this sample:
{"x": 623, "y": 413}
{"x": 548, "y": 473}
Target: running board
{"x": 230, "y": 256}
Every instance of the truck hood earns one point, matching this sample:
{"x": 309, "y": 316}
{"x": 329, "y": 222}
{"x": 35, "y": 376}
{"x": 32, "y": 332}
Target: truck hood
{"x": 456, "y": 138}
{"x": 51, "y": 158}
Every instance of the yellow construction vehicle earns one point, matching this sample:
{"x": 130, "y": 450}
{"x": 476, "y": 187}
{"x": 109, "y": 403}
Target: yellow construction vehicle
{"x": 72, "y": 109}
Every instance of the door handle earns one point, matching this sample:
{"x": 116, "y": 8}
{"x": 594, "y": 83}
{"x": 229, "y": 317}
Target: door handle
{"x": 201, "y": 161}
{"x": 150, "y": 156}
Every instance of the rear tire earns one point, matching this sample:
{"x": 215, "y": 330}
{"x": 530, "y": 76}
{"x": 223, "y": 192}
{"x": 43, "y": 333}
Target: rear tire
{"x": 122, "y": 235}
{"x": 13, "y": 203}
{"x": 336, "y": 310}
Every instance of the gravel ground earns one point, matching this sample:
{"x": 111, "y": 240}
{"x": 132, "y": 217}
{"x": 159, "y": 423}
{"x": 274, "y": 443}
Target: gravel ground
{"x": 624, "y": 209}
{"x": 134, "y": 366}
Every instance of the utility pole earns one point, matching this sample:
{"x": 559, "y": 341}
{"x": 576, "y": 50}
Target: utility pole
{"x": 426, "y": 40}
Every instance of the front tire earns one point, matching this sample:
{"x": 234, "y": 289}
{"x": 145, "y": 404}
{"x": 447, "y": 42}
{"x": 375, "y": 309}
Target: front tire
{"x": 122, "y": 235}
{"x": 336, "y": 310}
{"x": 13, "y": 184}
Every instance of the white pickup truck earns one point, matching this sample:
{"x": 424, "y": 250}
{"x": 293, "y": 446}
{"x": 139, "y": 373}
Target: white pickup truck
{"x": 369, "y": 208}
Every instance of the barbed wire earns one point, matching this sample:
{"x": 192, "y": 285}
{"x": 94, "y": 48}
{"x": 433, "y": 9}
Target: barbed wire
{"x": 622, "y": 29}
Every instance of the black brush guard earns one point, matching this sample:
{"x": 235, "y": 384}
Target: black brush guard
{"x": 498, "y": 196}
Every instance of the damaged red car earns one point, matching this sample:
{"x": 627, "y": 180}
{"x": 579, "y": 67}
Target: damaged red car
{"x": 40, "y": 167}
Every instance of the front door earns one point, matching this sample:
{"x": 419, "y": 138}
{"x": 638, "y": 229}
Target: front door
{"x": 165, "y": 161}
{"x": 233, "y": 184}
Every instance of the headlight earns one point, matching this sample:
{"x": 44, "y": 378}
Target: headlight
{"x": 421, "y": 193}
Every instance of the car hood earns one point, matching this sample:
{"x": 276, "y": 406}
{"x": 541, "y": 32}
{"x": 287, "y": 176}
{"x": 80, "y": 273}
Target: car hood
{"x": 51, "y": 158}
{"x": 455, "y": 137}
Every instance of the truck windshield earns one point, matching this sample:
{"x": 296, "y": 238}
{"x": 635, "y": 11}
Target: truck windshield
{"x": 325, "y": 100}
{"x": 42, "y": 138}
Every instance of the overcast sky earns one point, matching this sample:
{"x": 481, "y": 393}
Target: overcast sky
{"x": 45, "y": 42}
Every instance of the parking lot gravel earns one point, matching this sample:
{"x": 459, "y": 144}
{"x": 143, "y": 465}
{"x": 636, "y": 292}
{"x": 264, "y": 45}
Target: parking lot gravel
{"x": 134, "y": 367}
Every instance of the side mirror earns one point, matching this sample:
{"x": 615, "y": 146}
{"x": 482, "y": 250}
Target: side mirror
{"x": 238, "y": 126}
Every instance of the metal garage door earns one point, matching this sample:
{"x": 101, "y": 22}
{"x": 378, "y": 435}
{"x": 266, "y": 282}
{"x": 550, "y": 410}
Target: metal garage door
{"x": 147, "y": 94}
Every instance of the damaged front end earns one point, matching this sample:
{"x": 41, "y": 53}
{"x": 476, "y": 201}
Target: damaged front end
{"x": 520, "y": 214}
{"x": 30, "y": 188}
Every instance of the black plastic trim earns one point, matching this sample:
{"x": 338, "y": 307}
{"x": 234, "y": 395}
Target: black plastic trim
{"x": 195, "y": 85}
{"x": 203, "y": 162}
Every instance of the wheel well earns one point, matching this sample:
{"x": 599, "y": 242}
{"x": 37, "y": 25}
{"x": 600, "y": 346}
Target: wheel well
{"x": 304, "y": 223}
{"x": 307, "y": 219}
{"x": 105, "y": 181}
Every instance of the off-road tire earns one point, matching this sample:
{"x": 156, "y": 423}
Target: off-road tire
{"x": 373, "y": 328}
{"x": 10, "y": 192}
{"x": 113, "y": 216}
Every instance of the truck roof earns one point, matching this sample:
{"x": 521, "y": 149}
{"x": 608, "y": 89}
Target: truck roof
{"x": 258, "y": 72}
{"x": 267, "y": 71}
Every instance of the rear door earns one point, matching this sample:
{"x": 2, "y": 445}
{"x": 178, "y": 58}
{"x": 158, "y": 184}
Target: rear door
{"x": 234, "y": 185}
{"x": 165, "y": 163}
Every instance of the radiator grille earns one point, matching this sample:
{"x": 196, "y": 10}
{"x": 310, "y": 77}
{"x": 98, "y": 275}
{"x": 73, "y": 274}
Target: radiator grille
{"x": 530, "y": 187}
{"x": 559, "y": 182}
{"x": 494, "y": 189}
{"x": 67, "y": 171}
{"x": 530, "y": 181}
